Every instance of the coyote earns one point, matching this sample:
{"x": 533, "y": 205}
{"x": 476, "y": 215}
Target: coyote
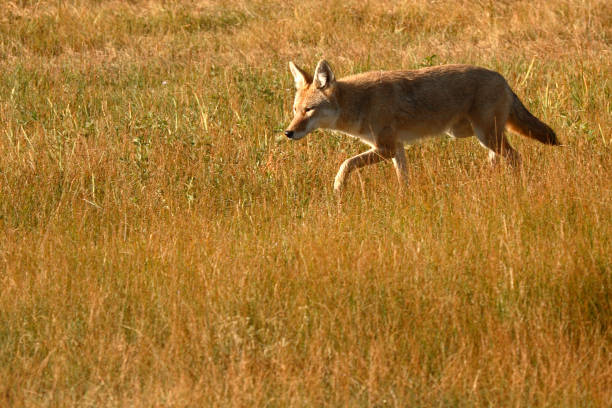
{"x": 388, "y": 109}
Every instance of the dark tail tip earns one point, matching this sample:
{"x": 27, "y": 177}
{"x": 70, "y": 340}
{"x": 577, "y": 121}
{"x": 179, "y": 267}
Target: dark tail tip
{"x": 552, "y": 139}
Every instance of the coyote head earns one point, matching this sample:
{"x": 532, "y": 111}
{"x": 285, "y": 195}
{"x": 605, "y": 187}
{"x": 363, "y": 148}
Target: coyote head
{"x": 315, "y": 105}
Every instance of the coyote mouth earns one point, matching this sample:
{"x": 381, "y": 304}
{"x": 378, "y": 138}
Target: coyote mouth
{"x": 293, "y": 135}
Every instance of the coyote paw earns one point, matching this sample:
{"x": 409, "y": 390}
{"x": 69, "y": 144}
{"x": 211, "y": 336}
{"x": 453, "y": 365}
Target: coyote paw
{"x": 341, "y": 177}
{"x": 338, "y": 184}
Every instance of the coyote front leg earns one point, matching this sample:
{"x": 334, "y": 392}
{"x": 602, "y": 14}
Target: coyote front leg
{"x": 372, "y": 156}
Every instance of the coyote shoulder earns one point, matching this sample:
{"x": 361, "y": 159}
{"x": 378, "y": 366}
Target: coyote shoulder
{"x": 388, "y": 109}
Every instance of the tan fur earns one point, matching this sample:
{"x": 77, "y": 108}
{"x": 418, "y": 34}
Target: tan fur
{"x": 388, "y": 109}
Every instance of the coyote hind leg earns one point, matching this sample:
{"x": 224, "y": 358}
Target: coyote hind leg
{"x": 463, "y": 128}
{"x": 401, "y": 168}
{"x": 495, "y": 140}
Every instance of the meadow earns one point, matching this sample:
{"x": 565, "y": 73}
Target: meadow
{"x": 162, "y": 244}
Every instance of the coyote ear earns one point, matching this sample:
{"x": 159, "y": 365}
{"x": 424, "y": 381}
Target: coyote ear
{"x": 301, "y": 78}
{"x": 323, "y": 76}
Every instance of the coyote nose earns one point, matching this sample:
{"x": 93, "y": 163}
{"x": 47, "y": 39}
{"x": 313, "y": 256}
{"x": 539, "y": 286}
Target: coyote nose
{"x": 289, "y": 134}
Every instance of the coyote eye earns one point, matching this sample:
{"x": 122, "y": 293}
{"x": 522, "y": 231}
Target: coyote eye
{"x": 308, "y": 109}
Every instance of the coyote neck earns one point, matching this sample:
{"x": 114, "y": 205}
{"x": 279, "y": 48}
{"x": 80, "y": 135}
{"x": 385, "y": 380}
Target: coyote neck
{"x": 350, "y": 102}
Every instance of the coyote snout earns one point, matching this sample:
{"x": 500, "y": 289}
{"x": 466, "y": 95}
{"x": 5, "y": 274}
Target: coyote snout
{"x": 387, "y": 110}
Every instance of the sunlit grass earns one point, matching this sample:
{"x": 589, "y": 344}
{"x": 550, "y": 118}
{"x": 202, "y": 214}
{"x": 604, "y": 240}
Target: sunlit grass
{"x": 160, "y": 245}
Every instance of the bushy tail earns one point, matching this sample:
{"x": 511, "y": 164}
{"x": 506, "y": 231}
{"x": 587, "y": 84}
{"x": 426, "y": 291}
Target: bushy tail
{"x": 523, "y": 122}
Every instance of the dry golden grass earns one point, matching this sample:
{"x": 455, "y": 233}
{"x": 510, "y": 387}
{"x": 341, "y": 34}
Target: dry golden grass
{"x": 160, "y": 247}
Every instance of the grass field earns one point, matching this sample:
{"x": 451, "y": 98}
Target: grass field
{"x": 161, "y": 245}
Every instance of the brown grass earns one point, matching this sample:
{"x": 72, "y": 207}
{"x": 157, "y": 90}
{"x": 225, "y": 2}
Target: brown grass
{"x": 159, "y": 246}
